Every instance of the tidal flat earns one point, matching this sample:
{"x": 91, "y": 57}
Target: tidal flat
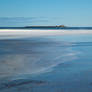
{"x": 53, "y": 63}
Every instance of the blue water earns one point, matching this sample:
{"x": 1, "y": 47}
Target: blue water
{"x": 46, "y": 64}
{"x": 51, "y": 28}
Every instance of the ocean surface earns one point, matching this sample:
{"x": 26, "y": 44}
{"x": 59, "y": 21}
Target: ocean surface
{"x": 46, "y": 64}
{"x": 48, "y": 28}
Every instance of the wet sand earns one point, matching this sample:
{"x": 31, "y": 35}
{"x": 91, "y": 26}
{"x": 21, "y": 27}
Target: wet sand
{"x": 46, "y": 62}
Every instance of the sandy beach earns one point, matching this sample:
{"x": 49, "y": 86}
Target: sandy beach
{"x": 19, "y": 33}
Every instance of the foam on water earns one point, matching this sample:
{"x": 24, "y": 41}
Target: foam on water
{"x": 21, "y": 33}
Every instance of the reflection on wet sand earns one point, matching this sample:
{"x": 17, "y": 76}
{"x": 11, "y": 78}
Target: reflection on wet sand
{"x": 37, "y": 55}
{"x": 21, "y": 82}
{"x": 26, "y": 57}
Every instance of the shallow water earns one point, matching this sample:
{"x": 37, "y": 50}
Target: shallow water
{"x": 46, "y": 64}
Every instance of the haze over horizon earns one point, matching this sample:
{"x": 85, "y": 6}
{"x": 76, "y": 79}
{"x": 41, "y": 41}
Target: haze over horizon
{"x": 45, "y": 12}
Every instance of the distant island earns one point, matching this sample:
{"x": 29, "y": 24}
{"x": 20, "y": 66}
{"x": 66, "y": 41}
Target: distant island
{"x": 57, "y": 26}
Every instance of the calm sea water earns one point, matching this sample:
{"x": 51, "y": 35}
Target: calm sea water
{"x": 46, "y": 28}
{"x": 46, "y": 64}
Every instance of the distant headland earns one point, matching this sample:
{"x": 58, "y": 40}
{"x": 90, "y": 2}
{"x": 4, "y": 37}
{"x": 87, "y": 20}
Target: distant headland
{"x": 57, "y": 26}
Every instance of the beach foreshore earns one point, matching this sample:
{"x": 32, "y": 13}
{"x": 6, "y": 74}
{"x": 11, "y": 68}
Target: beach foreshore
{"x": 20, "y": 33}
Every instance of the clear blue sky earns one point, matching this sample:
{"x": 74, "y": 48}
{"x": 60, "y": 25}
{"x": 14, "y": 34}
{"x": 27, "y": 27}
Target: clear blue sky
{"x": 45, "y": 12}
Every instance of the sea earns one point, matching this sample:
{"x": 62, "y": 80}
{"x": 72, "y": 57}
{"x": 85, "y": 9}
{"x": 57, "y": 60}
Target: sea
{"x": 47, "y": 63}
{"x": 46, "y": 28}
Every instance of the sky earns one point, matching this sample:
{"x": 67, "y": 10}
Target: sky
{"x": 45, "y": 12}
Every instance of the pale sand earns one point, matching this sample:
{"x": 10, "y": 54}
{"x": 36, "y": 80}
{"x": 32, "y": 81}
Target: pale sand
{"x": 13, "y": 33}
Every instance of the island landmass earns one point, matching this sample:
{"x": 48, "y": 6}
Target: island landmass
{"x": 57, "y": 26}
